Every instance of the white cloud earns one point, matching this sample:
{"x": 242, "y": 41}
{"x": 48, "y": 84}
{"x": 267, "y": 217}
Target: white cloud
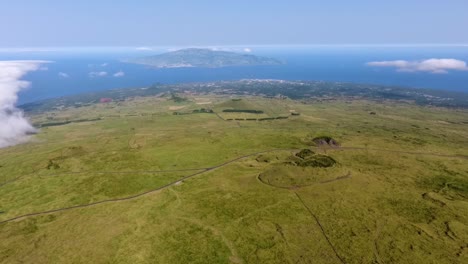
{"x": 119, "y": 74}
{"x": 104, "y": 64}
{"x": 430, "y": 65}
{"x": 63, "y": 75}
{"x": 214, "y": 48}
{"x": 231, "y": 49}
{"x": 97, "y": 74}
{"x": 14, "y": 128}
{"x": 224, "y": 49}
{"x": 144, "y": 48}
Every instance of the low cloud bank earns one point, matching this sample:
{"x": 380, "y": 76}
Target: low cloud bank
{"x": 229, "y": 49}
{"x": 119, "y": 74}
{"x": 144, "y": 48}
{"x": 14, "y": 127}
{"x": 63, "y": 75}
{"x": 430, "y": 65}
{"x": 97, "y": 74}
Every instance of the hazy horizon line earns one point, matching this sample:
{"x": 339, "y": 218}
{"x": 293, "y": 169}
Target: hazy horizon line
{"x": 142, "y": 47}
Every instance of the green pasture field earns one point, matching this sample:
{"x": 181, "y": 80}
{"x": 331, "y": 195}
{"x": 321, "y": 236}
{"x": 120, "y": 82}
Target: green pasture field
{"x": 269, "y": 108}
{"x": 138, "y": 184}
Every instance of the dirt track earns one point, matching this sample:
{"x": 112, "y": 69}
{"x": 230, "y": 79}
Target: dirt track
{"x": 321, "y": 228}
{"x": 202, "y": 170}
{"x": 143, "y": 193}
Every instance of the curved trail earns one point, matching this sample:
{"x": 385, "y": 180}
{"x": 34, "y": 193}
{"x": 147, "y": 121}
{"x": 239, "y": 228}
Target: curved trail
{"x": 294, "y": 187}
{"x": 202, "y": 170}
{"x": 134, "y": 173}
{"x": 143, "y": 193}
{"x": 102, "y": 173}
{"x": 207, "y": 168}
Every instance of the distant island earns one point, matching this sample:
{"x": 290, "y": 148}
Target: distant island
{"x": 203, "y": 58}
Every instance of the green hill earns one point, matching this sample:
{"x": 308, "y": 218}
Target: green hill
{"x": 204, "y": 58}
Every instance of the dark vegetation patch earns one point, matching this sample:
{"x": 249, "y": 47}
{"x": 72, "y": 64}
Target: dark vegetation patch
{"x": 304, "y": 153}
{"x": 202, "y": 110}
{"x": 243, "y": 111}
{"x": 237, "y": 104}
{"x": 53, "y": 165}
{"x": 176, "y": 98}
{"x": 66, "y": 122}
{"x": 325, "y": 141}
{"x": 308, "y": 158}
{"x": 258, "y": 119}
{"x": 321, "y": 141}
{"x": 196, "y": 111}
{"x": 272, "y": 118}
{"x": 265, "y": 158}
{"x": 318, "y": 160}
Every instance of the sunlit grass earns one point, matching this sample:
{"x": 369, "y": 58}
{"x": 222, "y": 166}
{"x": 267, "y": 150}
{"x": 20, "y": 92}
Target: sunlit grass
{"x": 395, "y": 207}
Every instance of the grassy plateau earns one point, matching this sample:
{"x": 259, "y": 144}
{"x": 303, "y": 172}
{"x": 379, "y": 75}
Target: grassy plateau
{"x": 157, "y": 180}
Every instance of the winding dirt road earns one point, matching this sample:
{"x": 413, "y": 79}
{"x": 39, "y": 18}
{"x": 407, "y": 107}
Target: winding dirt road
{"x": 143, "y": 193}
{"x": 200, "y": 171}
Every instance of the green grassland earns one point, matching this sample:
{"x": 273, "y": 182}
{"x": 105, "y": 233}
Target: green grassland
{"x": 134, "y": 183}
{"x": 251, "y": 108}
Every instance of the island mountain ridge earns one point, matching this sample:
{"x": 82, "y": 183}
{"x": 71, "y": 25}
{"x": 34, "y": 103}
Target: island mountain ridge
{"x": 204, "y": 58}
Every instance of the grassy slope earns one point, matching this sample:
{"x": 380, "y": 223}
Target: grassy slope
{"x": 227, "y": 215}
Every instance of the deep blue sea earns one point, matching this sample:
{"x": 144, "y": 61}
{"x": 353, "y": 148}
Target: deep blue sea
{"x": 345, "y": 64}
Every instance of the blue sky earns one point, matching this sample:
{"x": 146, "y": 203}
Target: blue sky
{"x": 55, "y": 23}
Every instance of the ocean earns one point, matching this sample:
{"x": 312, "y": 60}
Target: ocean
{"x": 78, "y": 71}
